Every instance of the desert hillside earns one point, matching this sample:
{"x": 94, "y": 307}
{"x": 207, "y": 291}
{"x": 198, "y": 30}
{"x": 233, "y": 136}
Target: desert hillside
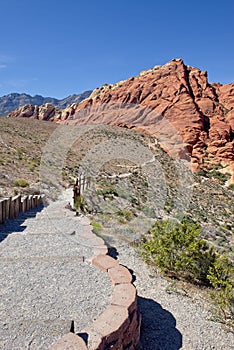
{"x": 175, "y": 103}
{"x": 120, "y": 184}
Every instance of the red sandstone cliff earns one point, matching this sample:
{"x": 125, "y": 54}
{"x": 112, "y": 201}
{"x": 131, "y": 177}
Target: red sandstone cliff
{"x": 200, "y": 112}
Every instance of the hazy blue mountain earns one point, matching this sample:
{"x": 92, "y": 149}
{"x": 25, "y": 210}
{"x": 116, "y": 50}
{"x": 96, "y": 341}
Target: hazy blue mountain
{"x": 10, "y": 102}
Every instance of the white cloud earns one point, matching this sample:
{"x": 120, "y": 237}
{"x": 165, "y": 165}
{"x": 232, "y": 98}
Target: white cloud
{"x": 17, "y": 84}
{"x": 4, "y": 60}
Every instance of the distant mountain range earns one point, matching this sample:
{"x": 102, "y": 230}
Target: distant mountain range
{"x": 10, "y": 102}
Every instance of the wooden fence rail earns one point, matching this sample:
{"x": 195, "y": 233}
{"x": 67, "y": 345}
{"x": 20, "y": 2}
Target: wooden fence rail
{"x": 11, "y": 207}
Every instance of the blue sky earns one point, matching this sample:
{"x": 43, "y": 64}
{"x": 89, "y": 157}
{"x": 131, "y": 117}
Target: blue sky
{"x": 57, "y": 48}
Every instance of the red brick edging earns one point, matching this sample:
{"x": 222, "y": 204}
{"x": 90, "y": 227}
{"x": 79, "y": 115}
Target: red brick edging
{"x": 118, "y": 327}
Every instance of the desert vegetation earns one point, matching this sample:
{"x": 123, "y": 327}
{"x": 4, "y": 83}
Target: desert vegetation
{"x": 121, "y": 208}
{"x": 21, "y": 142}
{"x": 178, "y": 251}
{"x": 21, "y": 183}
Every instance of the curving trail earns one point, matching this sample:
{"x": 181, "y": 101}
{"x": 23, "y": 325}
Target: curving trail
{"x": 170, "y": 319}
{"x": 45, "y": 280}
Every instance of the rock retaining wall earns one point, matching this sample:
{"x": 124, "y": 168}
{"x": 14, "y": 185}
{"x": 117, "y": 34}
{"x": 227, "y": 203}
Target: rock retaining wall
{"x": 11, "y": 207}
{"x": 118, "y": 327}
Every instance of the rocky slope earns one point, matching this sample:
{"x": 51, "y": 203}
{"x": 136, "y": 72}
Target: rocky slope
{"x": 10, "y": 102}
{"x": 171, "y": 102}
{"x": 125, "y": 197}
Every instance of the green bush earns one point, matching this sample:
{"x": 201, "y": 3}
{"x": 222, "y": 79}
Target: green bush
{"x": 97, "y": 227}
{"x": 202, "y": 172}
{"x": 108, "y": 192}
{"x": 21, "y": 183}
{"x": 214, "y": 173}
{"x": 20, "y": 153}
{"x": 221, "y": 277}
{"x": 176, "y": 249}
{"x": 126, "y": 215}
{"x": 79, "y": 204}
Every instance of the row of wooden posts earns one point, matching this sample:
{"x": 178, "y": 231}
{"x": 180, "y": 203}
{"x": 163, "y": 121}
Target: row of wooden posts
{"x": 11, "y": 207}
{"x": 81, "y": 184}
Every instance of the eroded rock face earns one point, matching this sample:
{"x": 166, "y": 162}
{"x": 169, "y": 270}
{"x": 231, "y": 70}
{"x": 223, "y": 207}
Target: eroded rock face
{"x": 44, "y": 112}
{"x": 200, "y": 113}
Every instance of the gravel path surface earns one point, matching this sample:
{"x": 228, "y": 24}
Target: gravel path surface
{"x": 43, "y": 288}
{"x": 172, "y": 321}
{"x": 45, "y": 284}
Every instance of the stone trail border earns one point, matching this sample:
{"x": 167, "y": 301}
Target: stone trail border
{"x": 59, "y": 288}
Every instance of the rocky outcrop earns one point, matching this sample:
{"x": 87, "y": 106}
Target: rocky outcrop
{"x": 10, "y": 102}
{"x": 174, "y": 103}
{"x": 45, "y": 112}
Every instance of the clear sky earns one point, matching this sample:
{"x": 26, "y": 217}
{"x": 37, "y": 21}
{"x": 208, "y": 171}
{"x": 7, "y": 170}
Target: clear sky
{"x": 57, "y": 48}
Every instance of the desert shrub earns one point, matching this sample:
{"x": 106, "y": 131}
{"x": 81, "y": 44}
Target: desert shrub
{"x": 202, "y": 172}
{"x": 97, "y": 227}
{"x": 168, "y": 206}
{"x": 108, "y": 192}
{"x": 21, "y": 183}
{"x": 215, "y": 174}
{"x": 126, "y": 215}
{"x": 176, "y": 249}
{"x": 79, "y": 203}
{"x": 221, "y": 277}
{"x": 32, "y": 168}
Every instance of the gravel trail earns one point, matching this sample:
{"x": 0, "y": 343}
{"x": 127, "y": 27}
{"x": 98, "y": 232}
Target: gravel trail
{"x": 172, "y": 321}
{"x": 45, "y": 282}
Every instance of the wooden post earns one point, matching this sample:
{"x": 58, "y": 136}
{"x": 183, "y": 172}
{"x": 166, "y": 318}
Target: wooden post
{"x": 15, "y": 206}
{"x": 80, "y": 185}
{"x": 7, "y": 208}
{"x": 88, "y": 182}
{"x": 2, "y": 216}
{"x": 75, "y": 191}
{"x": 82, "y": 180}
{"x": 24, "y": 203}
{"x": 10, "y": 207}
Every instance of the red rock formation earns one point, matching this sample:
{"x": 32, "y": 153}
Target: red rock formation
{"x": 171, "y": 102}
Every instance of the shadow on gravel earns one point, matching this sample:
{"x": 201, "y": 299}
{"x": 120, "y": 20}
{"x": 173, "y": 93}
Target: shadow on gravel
{"x": 158, "y": 327}
{"x": 112, "y": 251}
{"x": 15, "y": 225}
